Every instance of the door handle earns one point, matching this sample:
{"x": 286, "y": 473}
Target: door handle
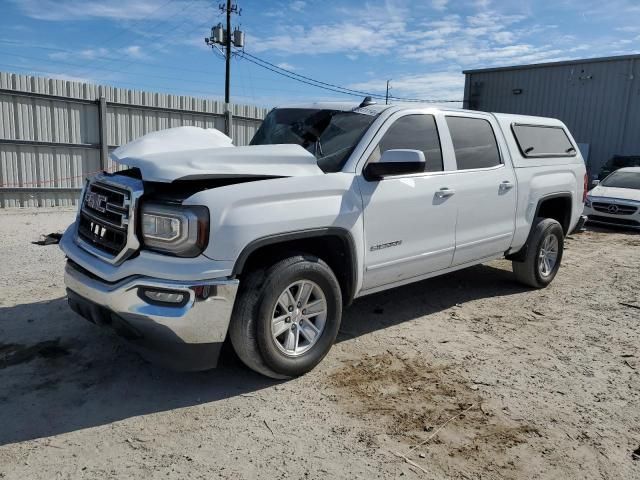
{"x": 445, "y": 192}
{"x": 506, "y": 185}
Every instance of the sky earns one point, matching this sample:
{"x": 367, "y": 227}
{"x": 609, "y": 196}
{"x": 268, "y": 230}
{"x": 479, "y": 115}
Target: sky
{"x": 420, "y": 46}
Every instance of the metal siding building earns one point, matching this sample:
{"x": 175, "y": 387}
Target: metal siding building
{"x": 54, "y": 133}
{"x": 598, "y": 99}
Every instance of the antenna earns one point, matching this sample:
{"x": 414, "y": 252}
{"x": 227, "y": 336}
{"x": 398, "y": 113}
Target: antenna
{"x": 366, "y": 102}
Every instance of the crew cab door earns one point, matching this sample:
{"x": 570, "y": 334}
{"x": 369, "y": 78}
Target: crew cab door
{"x": 485, "y": 187}
{"x": 409, "y": 224}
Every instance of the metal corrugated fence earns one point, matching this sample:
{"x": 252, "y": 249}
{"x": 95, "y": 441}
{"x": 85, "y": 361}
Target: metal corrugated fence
{"x": 53, "y": 133}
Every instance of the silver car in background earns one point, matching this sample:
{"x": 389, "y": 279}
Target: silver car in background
{"x": 615, "y": 200}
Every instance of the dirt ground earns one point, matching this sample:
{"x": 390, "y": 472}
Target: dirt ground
{"x": 467, "y": 376}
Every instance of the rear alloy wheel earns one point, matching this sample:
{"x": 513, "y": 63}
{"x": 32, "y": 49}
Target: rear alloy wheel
{"x": 548, "y": 256}
{"x": 287, "y": 317}
{"x": 544, "y": 250}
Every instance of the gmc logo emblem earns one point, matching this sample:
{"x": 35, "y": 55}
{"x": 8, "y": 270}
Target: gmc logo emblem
{"x": 96, "y": 202}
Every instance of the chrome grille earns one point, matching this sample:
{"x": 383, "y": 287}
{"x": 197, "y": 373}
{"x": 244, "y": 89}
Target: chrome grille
{"x": 105, "y": 225}
{"x": 614, "y": 208}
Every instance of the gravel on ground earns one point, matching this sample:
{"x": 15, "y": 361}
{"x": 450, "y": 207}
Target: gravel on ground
{"x": 468, "y": 375}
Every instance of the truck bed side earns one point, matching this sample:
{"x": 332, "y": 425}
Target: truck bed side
{"x": 543, "y": 178}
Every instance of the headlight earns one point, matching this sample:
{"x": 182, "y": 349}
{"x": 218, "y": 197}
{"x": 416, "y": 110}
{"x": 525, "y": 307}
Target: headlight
{"x": 181, "y": 230}
{"x": 587, "y": 201}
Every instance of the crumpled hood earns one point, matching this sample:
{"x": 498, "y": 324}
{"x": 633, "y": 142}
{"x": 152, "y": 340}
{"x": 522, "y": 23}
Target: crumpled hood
{"x": 192, "y": 153}
{"x": 613, "y": 192}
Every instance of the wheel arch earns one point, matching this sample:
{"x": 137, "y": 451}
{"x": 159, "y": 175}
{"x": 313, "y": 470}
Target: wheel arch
{"x": 558, "y": 206}
{"x": 334, "y": 245}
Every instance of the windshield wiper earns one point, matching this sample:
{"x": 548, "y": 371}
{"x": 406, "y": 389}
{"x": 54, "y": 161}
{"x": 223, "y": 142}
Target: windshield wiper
{"x": 317, "y": 148}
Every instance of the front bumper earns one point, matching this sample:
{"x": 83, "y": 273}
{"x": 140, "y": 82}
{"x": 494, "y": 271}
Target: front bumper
{"x": 607, "y": 219}
{"x": 182, "y": 337}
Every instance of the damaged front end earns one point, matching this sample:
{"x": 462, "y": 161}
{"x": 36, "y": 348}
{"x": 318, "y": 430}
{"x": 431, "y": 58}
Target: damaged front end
{"x": 135, "y": 251}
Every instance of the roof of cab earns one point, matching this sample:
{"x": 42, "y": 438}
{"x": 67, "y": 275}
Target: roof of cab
{"x": 342, "y": 106}
{"x": 530, "y": 119}
{"x": 373, "y": 108}
{"x": 377, "y": 108}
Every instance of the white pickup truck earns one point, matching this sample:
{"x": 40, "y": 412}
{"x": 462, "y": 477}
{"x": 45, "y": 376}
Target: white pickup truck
{"x": 199, "y": 241}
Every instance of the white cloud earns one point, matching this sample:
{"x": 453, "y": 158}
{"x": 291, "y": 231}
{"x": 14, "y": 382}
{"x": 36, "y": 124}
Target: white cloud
{"x": 85, "y": 54}
{"x": 374, "y": 29}
{"x": 134, "y": 51}
{"x": 330, "y": 38}
{"x": 503, "y": 37}
{"x": 297, "y": 5}
{"x": 484, "y": 38}
{"x": 286, "y": 66}
{"x": 428, "y": 86}
{"x": 439, "y": 4}
{"x": 67, "y": 10}
{"x": 629, "y": 29}
{"x": 71, "y": 78}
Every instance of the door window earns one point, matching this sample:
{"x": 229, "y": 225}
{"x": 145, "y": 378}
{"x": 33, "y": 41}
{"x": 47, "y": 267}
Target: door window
{"x": 474, "y": 143}
{"x": 414, "y": 132}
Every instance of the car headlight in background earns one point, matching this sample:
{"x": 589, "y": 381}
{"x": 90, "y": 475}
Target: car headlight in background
{"x": 181, "y": 230}
{"x": 587, "y": 201}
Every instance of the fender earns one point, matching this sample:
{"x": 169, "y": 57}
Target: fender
{"x": 521, "y": 254}
{"x": 339, "y": 232}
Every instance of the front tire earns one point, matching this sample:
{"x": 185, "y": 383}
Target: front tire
{"x": 287, "y": 317}
{"x": 544, "y": 254}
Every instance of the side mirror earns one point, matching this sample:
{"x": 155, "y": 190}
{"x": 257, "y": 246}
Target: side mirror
{"x": 395, "y": 162}
{"x": 596, "y": 182}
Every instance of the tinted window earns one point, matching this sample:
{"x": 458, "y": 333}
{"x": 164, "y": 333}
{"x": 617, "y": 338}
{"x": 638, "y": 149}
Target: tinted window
{"x": 474, "y": 143}
{"x": 538, "y": 140}
{"x": 620, "y": 179}
{"x": 414, "y": 132}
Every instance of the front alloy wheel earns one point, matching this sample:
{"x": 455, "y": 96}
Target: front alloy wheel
{"x": 299, "y": 317}
{"x": 287, "y": 317}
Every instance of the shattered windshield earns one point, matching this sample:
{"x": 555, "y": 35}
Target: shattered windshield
{"x": 330, "y": 135}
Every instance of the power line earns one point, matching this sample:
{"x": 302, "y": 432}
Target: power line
{"x": 301, "y": 80}
{"x": 179, "y": 91}
{"x": 332, "y": 87}
{"x": 64, "y": 50}
{"x": 187, "y": 80}
{"x": 358, "y": 92}
{"x": 167, "y": 77}
{"x": 140, "y": 22}
{"x": 109, "y": 60}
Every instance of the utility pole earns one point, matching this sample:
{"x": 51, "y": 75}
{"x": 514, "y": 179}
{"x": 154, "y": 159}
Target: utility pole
{"x": 227, "y": 75}
{"x": 223, "y": 37}
{"x": 386, "y": 98}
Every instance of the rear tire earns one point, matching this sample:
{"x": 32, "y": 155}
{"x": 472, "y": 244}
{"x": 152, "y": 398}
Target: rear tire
{"x": 544, "y": 254}
{"x": 269, "y": 331}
